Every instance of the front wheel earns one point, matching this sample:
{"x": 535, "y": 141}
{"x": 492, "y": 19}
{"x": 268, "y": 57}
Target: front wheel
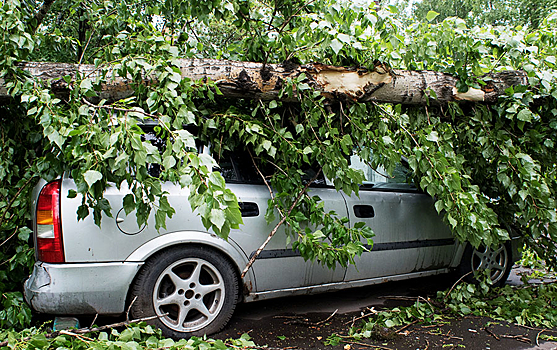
{"x": 193, "y": 290}
{"x": 496, "y": 261}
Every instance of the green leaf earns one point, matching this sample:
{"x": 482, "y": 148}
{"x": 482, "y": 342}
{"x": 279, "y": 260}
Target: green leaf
{"x": 86, "y": 84}
{"x": 318, "y": 234}
{"x": 217, "y": 218}
{"x": 431, "y": 15}
{"x": 24, "y": 234}
{"x": 216, "y": 179}
{"x": 439, "y": 205}
{"x": 433, "y": 136}
{"x": 344, "y": 38}
{"x": 525, "y": 115}
{"x": 336, "y": 46}
{"x": 92, "y": 176}
{"x": 128, "y": 203}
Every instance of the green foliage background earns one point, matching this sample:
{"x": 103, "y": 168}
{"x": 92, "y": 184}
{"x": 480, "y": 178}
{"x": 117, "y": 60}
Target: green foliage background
{"x": 491, "y": 168}
{"x": 529, "y": 13}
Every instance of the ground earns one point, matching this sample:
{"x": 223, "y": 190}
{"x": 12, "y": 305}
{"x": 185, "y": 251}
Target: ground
{"x": 305, "y": 322}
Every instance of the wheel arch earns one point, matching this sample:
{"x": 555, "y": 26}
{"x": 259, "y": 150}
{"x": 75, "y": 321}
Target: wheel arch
{"x": 228, "y": 249}
{"x": 459, "y": 253}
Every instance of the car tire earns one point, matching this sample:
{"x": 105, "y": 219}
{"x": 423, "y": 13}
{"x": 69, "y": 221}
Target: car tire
{"x": 193, "y": 290}
{"x": 498, "y": 262}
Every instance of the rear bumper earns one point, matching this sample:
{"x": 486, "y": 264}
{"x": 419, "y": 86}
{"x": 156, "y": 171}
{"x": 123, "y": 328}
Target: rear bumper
{"x": 80, "y": 289}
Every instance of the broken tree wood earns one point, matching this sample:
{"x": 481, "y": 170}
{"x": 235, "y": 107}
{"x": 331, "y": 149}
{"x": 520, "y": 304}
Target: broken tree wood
{"x": 256, "y": 80}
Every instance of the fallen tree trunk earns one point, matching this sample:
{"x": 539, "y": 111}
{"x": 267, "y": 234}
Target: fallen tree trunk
{"x": 255, "y": 80}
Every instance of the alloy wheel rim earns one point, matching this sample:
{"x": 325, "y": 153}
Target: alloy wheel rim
{"x": 189, "y": 294}
{"x": 495, "y": 261}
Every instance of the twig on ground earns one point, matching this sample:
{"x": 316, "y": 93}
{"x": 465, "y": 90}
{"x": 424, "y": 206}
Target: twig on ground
{"x": 372, "y": 312}
{"x": 306, "y": 322}
{"x": 491, "y": 333}
{"x": 292, "y": 317}
{"x": 366, "y": 345}
{"x": 79, "y": 336}
{"x": 519, "y": 337}
{"x": 538, "y": 337}
{"x": 527, "y": 327}
{"x": 406, "y": 326}
{"x": 352, "y": 323}
{"x": 94, "y": 320}
{"x": 433, "y": 325}
{"x": 257, "y": 347}
{"x": 535, "y": 329}
{"x": 446, "y": 336}
{"x": 328, "y": 318}
{"x": 426, "y": 300}
{"x": 115, "y": 325}
{"x": 455, "y": 284}
{"x": 426, "y": 344}
{"x": 405, "y": 298}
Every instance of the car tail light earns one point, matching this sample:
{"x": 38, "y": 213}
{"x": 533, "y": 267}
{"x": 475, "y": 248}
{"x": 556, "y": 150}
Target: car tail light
{"x": 49, "y": 227}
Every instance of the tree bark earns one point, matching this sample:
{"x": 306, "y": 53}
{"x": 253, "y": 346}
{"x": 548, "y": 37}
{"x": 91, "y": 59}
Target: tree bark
{"x": 253, "y": 80}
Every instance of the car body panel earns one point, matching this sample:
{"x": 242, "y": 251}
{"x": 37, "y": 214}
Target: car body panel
{"x": 329, "y": 287}
{"x": 277, "y": 263}
{"x": 90, "y": 288}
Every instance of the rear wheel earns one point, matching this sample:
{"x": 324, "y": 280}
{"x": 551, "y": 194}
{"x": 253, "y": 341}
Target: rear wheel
{"x": 193, "y": 290}
{"x": 476, "y": 260}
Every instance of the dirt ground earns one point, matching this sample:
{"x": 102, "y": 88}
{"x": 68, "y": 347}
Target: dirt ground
{"x": 296, "y": 332}
{"x": 305, "y": 322}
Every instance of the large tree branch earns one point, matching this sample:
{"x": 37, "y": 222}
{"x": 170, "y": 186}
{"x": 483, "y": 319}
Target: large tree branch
{"x": 251, "y": 80}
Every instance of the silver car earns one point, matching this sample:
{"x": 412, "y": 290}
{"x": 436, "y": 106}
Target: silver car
{"x": 190, "y": 278}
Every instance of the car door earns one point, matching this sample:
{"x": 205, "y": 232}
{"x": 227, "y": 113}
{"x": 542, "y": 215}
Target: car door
{"x": 409, "y": 234}
{"x": 277, "y": 266}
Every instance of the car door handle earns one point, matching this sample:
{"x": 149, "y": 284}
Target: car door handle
{"x": 249, "y": 209}
{"x": 364, "y": 211}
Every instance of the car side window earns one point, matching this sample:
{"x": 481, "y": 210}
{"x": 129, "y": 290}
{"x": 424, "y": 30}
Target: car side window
{"x": 156, "y": 139}
{"x": 150, "y": 135}
{"x": 228, "y": 170}
{"x": 379, "y": 178}
{"x": 237, "y": 167}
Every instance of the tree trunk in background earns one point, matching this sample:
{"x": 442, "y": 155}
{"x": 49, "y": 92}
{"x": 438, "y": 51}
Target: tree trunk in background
{"x": 40, "y": 15}
{"x": 81, "y": 33}
{"x": 254, "y": 80}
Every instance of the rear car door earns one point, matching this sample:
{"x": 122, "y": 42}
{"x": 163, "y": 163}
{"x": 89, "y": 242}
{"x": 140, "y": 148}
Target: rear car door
{"x": 277, "y": 266}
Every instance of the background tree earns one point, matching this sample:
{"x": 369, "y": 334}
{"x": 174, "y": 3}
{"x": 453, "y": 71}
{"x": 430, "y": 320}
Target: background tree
{"x": 493, "y": 12}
